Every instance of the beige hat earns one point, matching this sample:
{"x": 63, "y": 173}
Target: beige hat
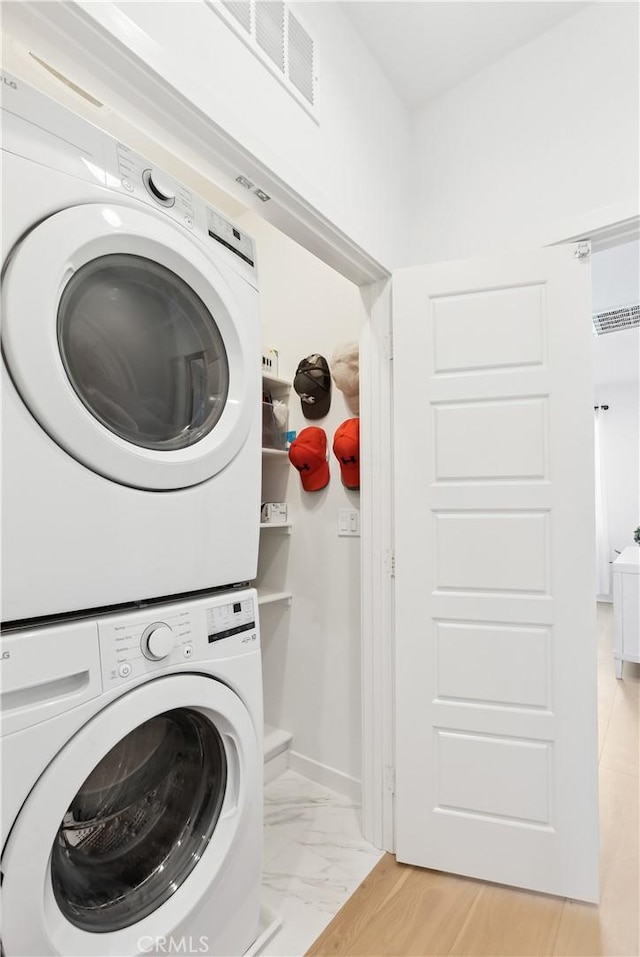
{"x": 345, "y": 371}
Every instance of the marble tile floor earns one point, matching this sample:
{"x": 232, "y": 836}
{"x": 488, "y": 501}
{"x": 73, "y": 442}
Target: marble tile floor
{"x": 314, "y": 859}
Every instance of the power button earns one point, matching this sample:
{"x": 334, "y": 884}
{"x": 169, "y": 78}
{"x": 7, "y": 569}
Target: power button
{"x": 124, "y": 670}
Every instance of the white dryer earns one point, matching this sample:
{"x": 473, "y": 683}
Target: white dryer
{"x": 131, "y": 387}
{"x": 132, "y": 782}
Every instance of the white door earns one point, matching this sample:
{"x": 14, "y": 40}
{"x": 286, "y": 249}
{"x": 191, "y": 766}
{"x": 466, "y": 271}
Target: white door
{"x": 496, "y": 738}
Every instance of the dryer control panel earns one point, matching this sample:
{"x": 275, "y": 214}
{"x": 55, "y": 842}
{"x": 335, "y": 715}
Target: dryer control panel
{"x": 151, "y": 639}
{"x": 139, "y": 177}
{"x": 40, "y": 129}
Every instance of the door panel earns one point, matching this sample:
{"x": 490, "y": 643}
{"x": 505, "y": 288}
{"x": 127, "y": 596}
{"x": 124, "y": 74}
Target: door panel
{"x": 496, "y": 739}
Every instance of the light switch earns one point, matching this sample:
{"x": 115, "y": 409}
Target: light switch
{"x": 348, "y": 522}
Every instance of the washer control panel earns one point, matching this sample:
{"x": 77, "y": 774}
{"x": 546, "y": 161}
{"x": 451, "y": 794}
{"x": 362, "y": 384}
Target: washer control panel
{"x": 151, "y": 639}
{"x": 224, "y": 621}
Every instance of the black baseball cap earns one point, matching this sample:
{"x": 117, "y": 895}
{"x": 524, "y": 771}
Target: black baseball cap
{"x": 312, "y": 382}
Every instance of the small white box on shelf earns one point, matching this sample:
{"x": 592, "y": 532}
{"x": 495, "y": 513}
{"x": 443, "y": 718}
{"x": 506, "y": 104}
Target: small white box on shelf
{"x": 274, "y": 513}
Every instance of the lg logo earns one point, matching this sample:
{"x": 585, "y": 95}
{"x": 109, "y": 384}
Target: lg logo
{"x": 8, "y": 82}
{"x": 5, "y": 655}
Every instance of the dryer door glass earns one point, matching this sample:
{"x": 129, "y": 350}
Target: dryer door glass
{"x": 143, "y": 352}
{"x": 140, "y": 822}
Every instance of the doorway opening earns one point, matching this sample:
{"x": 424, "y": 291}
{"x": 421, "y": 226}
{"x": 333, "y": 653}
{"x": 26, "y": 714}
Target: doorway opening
{"x": 616, "y": 364}
{"x": 309, "y": 587}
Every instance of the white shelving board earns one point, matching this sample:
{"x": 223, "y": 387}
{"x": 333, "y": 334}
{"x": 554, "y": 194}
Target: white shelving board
{"x": 276, "y": 383}
{"x": 275, "y": 741}
{"x": 269, "y": 597}
{"x": 286, "y": 526}
{"x": 278, "y": 453}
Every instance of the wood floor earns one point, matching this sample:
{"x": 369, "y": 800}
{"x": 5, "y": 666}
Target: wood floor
{"x": 402, "y": 910}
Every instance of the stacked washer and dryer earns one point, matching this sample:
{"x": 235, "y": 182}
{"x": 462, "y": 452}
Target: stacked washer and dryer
{"x": 131, "y": 677}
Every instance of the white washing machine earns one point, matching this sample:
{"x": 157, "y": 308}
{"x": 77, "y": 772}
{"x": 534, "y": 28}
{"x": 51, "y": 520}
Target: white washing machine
{"x": 132, "y": 782}
{"x": 131, "y": 386}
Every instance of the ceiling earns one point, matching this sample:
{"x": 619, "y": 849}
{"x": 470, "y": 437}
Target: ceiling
{"x": 425, "y": 48}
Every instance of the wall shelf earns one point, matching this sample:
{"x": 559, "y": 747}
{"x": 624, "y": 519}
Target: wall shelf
{"x": 284, "y": 525}
{"x": 276, "y": 747}
{"x": 270, "y": 597}
{"x": 275, "y": 741}
{"x": 277, "y": 453}
{"x": 274, "y": 382}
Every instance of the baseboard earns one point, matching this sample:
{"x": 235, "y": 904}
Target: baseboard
{"x": 328, "y": 777}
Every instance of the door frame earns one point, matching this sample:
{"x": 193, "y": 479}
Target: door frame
{"x": 603, "y": 229}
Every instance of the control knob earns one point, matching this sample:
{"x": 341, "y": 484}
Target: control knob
{"x": 160, "y": 186}
{"x": 157, "y": 641}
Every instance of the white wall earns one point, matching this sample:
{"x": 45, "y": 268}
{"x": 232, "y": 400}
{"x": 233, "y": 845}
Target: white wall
{"x": 621, "y": 443}
{"x": 544, "y": 137}
{"x": 311, "y": 650}
{"x": 616, "y": 276}
{"x": 351, "y": 166}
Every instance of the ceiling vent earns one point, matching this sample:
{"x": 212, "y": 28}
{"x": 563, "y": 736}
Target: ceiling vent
{"x": 241, "y": 11}
{"x": 615, "y": 320}
{"x": 278, "y": 39}
{"x": 300, "y": 50}
{"x": 270, "y": 30}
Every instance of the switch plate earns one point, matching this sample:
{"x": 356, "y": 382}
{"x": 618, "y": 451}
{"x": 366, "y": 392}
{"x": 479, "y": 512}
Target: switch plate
{"x": 348, "y": 523}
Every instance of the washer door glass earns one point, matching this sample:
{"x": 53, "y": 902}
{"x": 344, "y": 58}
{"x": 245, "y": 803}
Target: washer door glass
{"x": 140, "y": 822}
{"x": 143, "y": 352}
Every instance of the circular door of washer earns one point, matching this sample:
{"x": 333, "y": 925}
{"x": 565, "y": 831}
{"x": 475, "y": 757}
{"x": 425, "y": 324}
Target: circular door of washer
{"x": 127, "y": 344}
{"x": 129, "y": 826}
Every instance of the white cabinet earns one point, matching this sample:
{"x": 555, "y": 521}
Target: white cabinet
{"x": 272, "y": 558}
{"x": 626, "y": 607}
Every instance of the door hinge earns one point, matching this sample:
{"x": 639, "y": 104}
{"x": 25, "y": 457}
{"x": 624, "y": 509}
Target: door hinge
{"x": 582, "y": 250}
{"x": 390, "y": 779}
{"x": 388, "y": 346}
{"x": 390, "y": 562}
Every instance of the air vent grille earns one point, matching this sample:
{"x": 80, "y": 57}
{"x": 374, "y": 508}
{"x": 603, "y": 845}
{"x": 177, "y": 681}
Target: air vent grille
{"x": 270, "y": 30}
{"x": 300, "y": 59}
{"x": 614, "y": 320}
{"x": 278, "y": 39}
{"x": 241, "y": 11}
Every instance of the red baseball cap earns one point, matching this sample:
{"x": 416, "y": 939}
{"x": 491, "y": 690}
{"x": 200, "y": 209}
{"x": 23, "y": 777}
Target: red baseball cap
{"x": 346, "y": 448}
{"x": 308, "y": 454}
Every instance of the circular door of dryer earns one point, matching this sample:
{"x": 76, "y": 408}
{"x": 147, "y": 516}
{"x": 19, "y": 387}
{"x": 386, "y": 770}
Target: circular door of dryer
{"x": 129, "y": 347}
{"x": 131, "y": 823}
